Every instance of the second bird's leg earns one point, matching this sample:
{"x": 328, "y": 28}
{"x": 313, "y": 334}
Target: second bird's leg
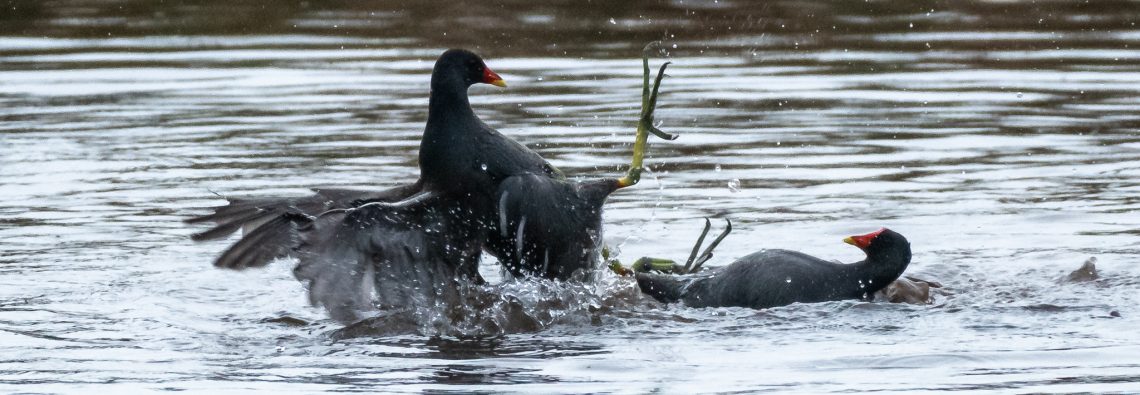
{"x": 692, "y": 265}
{"x": 697, "y": 246}
{"x": 707, "y": 253}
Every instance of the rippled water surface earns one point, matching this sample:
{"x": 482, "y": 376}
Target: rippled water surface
{"x": 1000, "y": 137}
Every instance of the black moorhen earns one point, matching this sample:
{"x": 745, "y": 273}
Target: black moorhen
{"x": 412, "y": 244}
{"x": 771, "y": 278}
{"x": 409, "y": 244}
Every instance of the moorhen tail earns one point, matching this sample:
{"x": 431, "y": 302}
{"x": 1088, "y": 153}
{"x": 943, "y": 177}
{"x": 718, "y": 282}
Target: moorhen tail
{"x": 550, "y": 228}
{"x": 773, "y": 278}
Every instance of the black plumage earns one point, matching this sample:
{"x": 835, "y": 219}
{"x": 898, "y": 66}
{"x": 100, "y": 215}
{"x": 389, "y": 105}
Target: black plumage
{"x": 774, "y": 277}
{"x": 550, "y": 227}
{"x": 415, "y": 244}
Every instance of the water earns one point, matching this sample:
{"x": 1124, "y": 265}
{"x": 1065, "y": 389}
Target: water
{"x": 999, "y": 137}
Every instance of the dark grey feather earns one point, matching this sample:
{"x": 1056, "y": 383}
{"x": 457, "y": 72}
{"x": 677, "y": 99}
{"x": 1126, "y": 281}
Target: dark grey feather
{"x": 382, "y": 255}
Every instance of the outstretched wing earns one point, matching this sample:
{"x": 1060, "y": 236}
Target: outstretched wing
{"x": 414, "y": 253}
{"x": 270, "y": 225}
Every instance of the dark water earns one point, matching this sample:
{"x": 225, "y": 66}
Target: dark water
{"x": 1000, "y": 137}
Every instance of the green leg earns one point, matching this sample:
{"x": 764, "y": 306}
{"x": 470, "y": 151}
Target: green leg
{"x": 645, "y": 123}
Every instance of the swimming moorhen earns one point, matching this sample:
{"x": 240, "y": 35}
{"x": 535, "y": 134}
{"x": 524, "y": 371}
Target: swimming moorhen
{"x": 771, "y": 278}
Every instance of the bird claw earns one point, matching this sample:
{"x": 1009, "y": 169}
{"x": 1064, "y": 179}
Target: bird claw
{"x": 697, "y": 246}
{"x": 657, "y": 132}
{"x": 649, "y": 103}
{"x": 707, "y": 254}
{"x": 692, "y": 265}
{"x": 645, "y": 122}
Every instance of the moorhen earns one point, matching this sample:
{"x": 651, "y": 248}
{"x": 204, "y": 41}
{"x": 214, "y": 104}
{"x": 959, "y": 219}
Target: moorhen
{"x": 771, "y": 278}
{"x": 414, "y": 243}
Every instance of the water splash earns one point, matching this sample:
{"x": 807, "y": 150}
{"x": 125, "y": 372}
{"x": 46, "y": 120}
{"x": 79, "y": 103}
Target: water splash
{"x": 734, "y": 185}
{"x": 513, "y": 306}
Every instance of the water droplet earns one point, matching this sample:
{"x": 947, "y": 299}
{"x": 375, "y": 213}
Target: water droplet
{"x": 612, "y": 21}
{"x": 734, "y": 185}
{"x": 1019, "y": 95}
{"x": 717, "y": 167}
{"x": 483, "y": 166}
{"x": 788, "y": 280}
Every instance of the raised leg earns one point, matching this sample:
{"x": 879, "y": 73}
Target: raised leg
{"x": 707, "y": 253}
{"x": 692, "y": 265}
{"x": 645, "y": 123}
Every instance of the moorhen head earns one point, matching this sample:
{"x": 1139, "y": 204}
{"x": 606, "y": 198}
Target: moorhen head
{"x": 463, "y": 68}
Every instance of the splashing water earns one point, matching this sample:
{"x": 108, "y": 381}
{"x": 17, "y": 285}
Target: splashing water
{"x": 512, "y": 306}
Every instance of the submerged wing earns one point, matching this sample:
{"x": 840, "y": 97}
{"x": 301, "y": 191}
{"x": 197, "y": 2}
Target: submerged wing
{"x": 270, "y": 225}
{"x": 413, "y": 253}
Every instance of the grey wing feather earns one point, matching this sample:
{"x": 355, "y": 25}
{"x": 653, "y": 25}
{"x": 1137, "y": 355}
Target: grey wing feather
{"x": 270, "y": 225}
{"x": 335, "y": 268}
{"x": 277, "y": 238}
{"x": 357, "y": 250}
{"x": 381, "y": 256}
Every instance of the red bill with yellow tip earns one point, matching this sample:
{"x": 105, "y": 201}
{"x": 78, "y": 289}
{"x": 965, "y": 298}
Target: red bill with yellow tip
{"x": 490, "y": 77}
{"x": 862, "y": 241}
